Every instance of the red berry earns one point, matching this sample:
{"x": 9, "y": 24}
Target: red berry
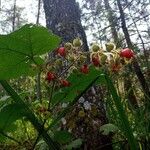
{"x": 127, "y": 53}
{"x": 42, "y": 109}
{"x": 61, "y": 51}
{"x": 95, "y": 61}
{"x": 84, "y": 69}
{"x": 65, "y": 83}
{"x": 50, "y": 76}
{"x": 115, "y": 68}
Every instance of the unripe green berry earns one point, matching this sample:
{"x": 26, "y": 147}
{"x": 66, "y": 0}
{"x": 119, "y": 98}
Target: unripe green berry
{"x": 77, "y": 42}
{"x": 82, "y": 58}
{"x": 95, "y": 48}
{"x": 74, "y": 69}
{"x": 58, "y": 62}
{"x": 68, "y": 46}
{"x": 71, "y": 58}
{"x": 110, "y": 46}
{"x": 103, "y": 58}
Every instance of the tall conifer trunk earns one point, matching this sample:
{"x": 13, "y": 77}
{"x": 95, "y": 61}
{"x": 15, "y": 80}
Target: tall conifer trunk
{"x": 63, "y": 18}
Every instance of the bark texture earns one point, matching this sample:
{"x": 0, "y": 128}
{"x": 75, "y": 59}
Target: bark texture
{"x": 63, "y": 18}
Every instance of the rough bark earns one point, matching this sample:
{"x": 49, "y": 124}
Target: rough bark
{"x": 63, "y": 18}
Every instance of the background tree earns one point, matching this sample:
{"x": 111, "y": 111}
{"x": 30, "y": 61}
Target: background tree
{"x": 11, "y": 18}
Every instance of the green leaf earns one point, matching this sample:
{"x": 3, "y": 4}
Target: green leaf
{"x": 63, "y": 137}
{"x": 79, "y": 82}
{"x": 74, "y": 144}
{"x": 22, "y": 48}
{"x": 41, "y": 145}
{"x": 126, "y": 128}
{"x": 30, "y": 116}
{"x": 9, "y": 114}
{"x": 69, "y": 107}
{"x": 107, "y": 128}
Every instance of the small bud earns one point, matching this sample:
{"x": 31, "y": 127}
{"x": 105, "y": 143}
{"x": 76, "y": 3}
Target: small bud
{"x": 110, "y": 46}
{"x": 74, "y": 69}
{"x": 103, "y": 58}
{"x": 58, "y": 62}
{"x": 95, "y": 48}
{"x": 68, "y": 46}
{"x": 71, "y": 57}
{"x": 81, "y": 114}
{"x": 77, "y": 42}
{"x": 82, "y": 58}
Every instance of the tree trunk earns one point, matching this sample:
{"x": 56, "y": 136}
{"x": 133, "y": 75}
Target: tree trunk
{"x": 112, "y": 23}
{"x": 63, "y": 18}
{"x": 14, "y": 16}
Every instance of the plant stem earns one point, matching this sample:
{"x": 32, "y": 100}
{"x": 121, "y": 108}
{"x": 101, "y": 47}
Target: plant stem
{"x": 30, "y": 115}
{"x": 124, "y": 119}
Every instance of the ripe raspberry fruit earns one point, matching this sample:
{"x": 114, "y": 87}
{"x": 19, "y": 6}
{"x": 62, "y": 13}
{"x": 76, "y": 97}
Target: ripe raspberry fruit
{"x": 115, "y": 68}
{"x": 61, "y": 51}
{"x": 127, "y": 53}
{"x": 65, "y": 83}
{"x": 84, "y": 69}
{"x": 50, "y": 76}
{"x": 95, "y": 61}
{"x": 42, "y": 109}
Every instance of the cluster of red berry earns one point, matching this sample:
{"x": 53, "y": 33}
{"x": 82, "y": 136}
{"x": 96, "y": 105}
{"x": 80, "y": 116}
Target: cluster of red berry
{"x": 52, "y": 76}
{"x": 98, "y": 58}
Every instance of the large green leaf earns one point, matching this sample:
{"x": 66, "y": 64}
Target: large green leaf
{"x": 69, "y": 107}
{"x": 9, "y": 114}
{"x": 29, "y": 114}
{"x": 126, "y": 128}
{"x": 74, "y": 144}
{"x": 63, "y": 137}
{"x": 22, "y": 48}
{"x": 79, "y": 82}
